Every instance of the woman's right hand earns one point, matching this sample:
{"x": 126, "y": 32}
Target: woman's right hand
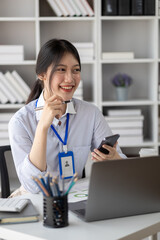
{"x": 53, "y": 108}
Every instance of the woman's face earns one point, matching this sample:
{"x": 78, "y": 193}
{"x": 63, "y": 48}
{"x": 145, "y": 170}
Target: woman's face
{"x": 65, "y": 79}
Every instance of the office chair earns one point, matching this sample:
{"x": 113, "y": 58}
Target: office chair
{"x": 5, "y": 185}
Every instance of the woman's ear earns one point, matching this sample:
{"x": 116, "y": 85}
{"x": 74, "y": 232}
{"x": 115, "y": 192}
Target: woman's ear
{"x": 42, "y": 77}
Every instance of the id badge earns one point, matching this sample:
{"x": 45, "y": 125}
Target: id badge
{"x": 66, "y": 164}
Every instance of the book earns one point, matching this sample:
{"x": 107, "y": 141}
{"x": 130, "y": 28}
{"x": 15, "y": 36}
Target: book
{"x": 137, "y": 7}
{"x": 88, "y": 52}
{"x": 75, "y": 8}
{"x": 28, "y": 214}
{"x": 16, "y": 49}
{"x": 12, "y": 88}
{"x": 5, "y": 117}
{"x": 62, "y": 7}
{"x": 4, "y": 134}
{"x": 130, "y": 140}
{"x": 83, "y": 44}
{"x": 3, "y": 98}
{"x": 4, "y": 126}
{"x": 109, "y": 7}
{"x": 117, "y": 55}
{"x": 128, "y": 131}
{"x": 69, "y": 8}
{"x": 124, "y": 7}
{"x": 124, "y": 112}
{"x": 136, "y": 123}
{"x": 7, "y": 57}
{"x": 6, "y": 89}
{"x": 88, "y": 8}
{"x": 55, "y": 8}
{"x": 81, "y": 8}
{"x": 21, "y": 82}
{"x": 149, "y": 7}
{"x": 4, "y": 142}
{"x": 125, "y": 122}
{"x": 16, "y": 86}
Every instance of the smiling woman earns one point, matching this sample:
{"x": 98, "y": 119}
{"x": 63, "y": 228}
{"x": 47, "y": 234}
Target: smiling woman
{"x": 39, "y": 143}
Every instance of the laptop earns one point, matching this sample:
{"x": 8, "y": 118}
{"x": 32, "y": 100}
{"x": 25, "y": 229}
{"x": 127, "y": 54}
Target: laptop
{"x": 120, "y": 188}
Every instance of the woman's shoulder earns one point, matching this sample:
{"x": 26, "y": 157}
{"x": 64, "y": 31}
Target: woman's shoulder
{"x": 25, "y": 112}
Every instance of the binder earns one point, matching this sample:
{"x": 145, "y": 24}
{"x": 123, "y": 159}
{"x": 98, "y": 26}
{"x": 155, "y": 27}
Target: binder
{"x": 137, "y": 7}
{"x": 149, "y": 7}
{"x": 109, "y": 7}
{"x": 124, "y": 7}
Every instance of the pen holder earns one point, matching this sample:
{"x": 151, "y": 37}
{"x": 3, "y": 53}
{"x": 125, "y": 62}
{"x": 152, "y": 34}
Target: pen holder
{"x": 55, "y": 211}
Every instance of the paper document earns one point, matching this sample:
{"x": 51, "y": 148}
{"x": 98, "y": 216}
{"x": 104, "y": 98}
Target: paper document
{"x": 79, "y": 192}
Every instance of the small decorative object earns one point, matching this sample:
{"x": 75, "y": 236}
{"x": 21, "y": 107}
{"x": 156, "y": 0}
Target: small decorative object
{"x": 122, "y": 82}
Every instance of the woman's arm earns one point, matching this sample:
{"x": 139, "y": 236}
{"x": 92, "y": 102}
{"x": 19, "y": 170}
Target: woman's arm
{"x": 53, "y": 107}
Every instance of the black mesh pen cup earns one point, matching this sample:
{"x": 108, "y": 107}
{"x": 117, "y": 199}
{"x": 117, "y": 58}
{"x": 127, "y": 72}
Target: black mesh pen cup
{"x": 55, "y": 211}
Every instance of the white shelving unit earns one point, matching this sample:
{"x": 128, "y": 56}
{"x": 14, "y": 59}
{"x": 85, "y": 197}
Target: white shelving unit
{"x": 138, "y": 34}
{"x": 31, "y": 23}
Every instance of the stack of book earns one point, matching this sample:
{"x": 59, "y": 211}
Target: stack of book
{"x": 79, "y": 92}
{"x": 159, "y": 92}
{"x": 159, "y": 129}
{"x": 128, "y": 123}
{"x": 117, "y": 55}
{"x": 4, "y": 119}
{"x": 11, "y": 53}
{"x": 71, "y": 8}
{"x": 13, "y": 88}
{"x": 85, "y": 50}
{"x": 128, "y": 7}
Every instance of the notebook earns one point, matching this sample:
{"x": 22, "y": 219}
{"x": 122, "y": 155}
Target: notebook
{"x": 27, "y": 214}
{"x": 120, "y": 188}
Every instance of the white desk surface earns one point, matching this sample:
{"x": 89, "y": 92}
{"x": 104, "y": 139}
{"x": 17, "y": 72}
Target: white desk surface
{"x": 128, "y": 228}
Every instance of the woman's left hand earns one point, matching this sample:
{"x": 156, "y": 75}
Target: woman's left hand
{"x": 99, "y": 156}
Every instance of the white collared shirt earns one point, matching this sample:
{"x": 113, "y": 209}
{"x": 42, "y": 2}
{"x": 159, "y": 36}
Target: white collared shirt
{"x": 87, "y": 127}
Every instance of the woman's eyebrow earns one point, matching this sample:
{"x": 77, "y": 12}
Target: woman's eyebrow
{"x": 76, "y": 65}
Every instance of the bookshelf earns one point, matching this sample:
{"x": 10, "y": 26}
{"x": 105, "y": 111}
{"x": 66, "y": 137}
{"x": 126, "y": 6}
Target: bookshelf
{"x": 31, "y": 23}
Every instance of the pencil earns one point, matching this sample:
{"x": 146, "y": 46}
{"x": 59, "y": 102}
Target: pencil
{"x": 41, "y": 107}
{"x": 57, "y": 187}
{"x": 71, "y": 185}
{"x": 47, "y": 177}
{"x": 41, "y": 187}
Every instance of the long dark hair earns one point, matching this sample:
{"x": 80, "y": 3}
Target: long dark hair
{"x": 50, "y": 53}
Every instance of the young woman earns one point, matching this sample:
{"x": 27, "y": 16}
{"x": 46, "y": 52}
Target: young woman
{"x": 60, "y": 132}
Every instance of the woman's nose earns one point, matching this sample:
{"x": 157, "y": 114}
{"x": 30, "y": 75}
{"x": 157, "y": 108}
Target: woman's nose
{"x": 68, "y": 77}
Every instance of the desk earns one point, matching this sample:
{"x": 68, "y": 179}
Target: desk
{"x": 128, "y": 228}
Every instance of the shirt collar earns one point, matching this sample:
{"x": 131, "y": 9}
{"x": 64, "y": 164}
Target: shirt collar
{"x": 70, "y": 109}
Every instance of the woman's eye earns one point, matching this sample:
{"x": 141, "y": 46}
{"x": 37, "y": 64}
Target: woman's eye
{"x": 61, "y": 69}
{"x": 76, "y": 70}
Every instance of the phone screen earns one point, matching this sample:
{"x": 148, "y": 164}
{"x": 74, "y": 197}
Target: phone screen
{"x": 111, "y": 140}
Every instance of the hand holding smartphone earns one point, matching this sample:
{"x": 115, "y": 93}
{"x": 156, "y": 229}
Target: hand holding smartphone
{"x": 110, "y": 141}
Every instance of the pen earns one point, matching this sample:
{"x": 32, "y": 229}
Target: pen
{"x": 41, "y": 107}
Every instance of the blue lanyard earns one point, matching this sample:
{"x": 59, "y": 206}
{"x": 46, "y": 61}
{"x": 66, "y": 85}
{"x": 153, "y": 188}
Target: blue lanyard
{"x": 66, "y": 132}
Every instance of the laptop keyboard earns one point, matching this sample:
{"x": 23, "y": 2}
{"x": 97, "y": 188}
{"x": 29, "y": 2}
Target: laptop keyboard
{"x": 81, "y": 212}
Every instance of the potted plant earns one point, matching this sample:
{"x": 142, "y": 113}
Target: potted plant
{"x": 122, "y": 81}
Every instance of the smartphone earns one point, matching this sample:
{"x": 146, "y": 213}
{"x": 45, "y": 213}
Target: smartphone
{"x": 111, "y": 140}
